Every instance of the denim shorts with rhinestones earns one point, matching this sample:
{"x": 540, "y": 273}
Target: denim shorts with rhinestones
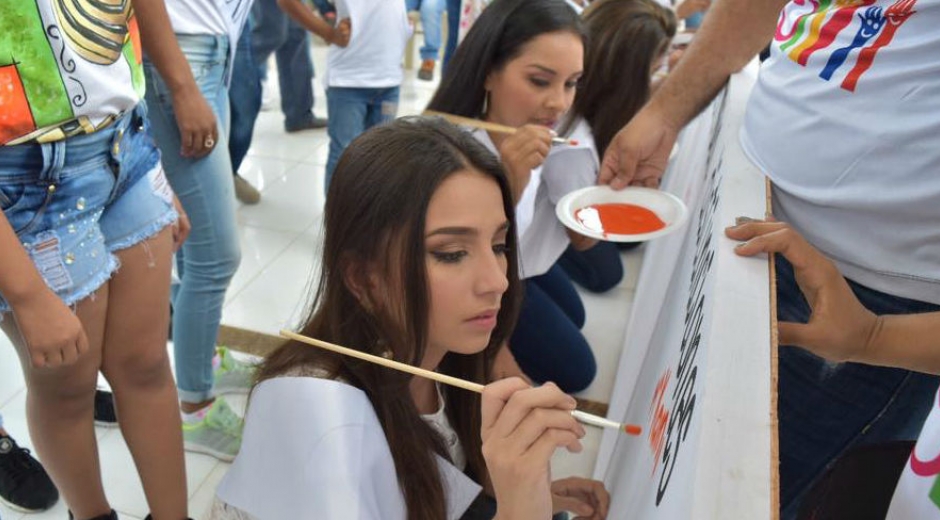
{"x": 73, "y": 203}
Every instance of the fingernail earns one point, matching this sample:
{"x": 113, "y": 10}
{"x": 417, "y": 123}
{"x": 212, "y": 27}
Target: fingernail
{"x": 742, "y": 245}
{"x": 740, "y": 221}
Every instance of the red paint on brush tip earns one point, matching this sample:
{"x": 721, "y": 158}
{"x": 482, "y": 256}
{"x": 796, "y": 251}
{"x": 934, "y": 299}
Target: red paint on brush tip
{"x": 573, "y": 142}
{"x": 632, "y": 429}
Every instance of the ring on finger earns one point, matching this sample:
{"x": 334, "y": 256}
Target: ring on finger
{"x": 209, "y": 142}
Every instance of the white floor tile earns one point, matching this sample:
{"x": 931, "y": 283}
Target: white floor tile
{"x": 262, "y": 171}
{"x": 289, "y": 204}
{"x": 276, "y": 298}
{"x": 259, "y": 248}
{"x": 201, "y": 501}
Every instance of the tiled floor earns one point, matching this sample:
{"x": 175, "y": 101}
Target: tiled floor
{"x": 280, "y": 247}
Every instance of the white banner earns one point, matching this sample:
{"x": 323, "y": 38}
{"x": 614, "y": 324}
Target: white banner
{"x": 696, "y": 366}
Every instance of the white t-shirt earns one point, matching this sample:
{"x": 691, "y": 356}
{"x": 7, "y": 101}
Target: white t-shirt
{"x": 918, "y": 492}
{"x": 845, "y": 119}
{"x": 314, "y": 449}
{"x": 542, "y": 238}
{"x": 210, "y": 17}
{"x": 376, "y": 47}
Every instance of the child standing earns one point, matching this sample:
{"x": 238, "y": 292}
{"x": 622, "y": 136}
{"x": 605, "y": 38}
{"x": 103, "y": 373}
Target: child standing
{"x": 82, "y": 192}
{"x": 362, "y": 79}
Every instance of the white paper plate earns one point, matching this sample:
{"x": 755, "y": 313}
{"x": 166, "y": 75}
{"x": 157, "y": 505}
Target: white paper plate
{"x": 669, "y": 208}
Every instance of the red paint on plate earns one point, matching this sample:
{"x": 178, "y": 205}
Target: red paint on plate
{"x": 619, "y": 219}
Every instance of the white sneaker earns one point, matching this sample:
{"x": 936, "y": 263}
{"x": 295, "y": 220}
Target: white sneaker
{"x": 219, "y": 433}
{"x": 233, "y": 375}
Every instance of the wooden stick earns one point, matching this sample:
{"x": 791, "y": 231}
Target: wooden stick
{"x": 491, "y": 127}
{"x": 584, "y": 417}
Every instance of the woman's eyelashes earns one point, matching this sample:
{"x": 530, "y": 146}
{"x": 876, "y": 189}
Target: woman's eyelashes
{"x": 449, "y": 257}
{"x": 543, "y": 83}
{"x": 454, "y": 257}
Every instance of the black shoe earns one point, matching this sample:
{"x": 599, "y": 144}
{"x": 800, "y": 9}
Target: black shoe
{"x": 104, "y": 409}
{"x": 24, "y": 484}
{"x": 314, "y": 123}
{"x": 110, "y": 516}
{"x": 150, "y": 517}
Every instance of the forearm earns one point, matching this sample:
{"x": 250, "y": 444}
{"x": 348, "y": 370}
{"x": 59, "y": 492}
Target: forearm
{"x": 18, "y": 275}
{"x": 307, "y": 18}
{"x": 732, "y": 34}
{"x": 159, "y": 43}
{"x": 910, "y": 341}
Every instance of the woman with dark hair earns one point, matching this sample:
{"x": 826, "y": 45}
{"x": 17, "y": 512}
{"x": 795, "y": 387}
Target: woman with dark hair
{"x": 416, "y": 268}
{"x": 629, "y": 39}
{"x": 519, "y": 66}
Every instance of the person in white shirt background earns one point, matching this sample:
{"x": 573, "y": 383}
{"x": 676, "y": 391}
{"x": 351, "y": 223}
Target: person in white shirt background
{"x": 843, "y": 119}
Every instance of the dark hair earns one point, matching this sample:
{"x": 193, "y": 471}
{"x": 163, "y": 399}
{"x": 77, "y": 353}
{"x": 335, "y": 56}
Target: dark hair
{"x": 626, "y": 37}
{"x": 497, "y": 37}
{"x": 375, "y": 219}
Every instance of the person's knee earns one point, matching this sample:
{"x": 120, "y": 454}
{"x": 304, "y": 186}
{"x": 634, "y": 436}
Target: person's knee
{"x": 578, "y": 374}
{"x": 144, "y": 370}
{"x": 69, "y": 396}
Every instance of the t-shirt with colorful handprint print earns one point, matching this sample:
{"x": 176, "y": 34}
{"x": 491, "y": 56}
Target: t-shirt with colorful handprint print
{"x": 66, "y": 67}
{"x": 845, "y": 119}
{"x": 918, "y": 492}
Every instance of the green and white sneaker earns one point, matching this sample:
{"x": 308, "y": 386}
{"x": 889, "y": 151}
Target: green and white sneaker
{"x": 233, "y": 376}
{"x": 219, "y": 433}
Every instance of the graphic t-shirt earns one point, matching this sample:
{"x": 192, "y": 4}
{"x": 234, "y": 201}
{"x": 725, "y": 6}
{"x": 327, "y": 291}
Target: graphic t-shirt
{"x": 845, "y": 119}
{"x": 66, "y": 68}
{"x": 918, "y": 492}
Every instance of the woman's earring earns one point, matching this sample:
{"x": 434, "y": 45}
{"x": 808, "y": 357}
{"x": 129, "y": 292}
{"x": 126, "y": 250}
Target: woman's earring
{"x": 486, "y": 102}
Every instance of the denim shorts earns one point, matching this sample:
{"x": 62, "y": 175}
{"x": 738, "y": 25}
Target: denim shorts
{"x": 73, "y": 203}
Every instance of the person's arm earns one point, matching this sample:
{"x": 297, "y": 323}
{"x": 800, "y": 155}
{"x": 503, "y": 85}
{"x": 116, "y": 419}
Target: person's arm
{"x": 732, "y": 34}
{"x": 53, "y": 335}
{"x": 194, "y": 116}
{"x": 313, "y": 22}
{"x": 840, "y": 328}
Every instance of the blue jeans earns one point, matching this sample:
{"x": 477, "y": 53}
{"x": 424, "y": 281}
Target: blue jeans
{"x": 244, "y": 99}
{"x": 352, "y": 112}
{"x": 597, "y": 269}
{"x": 547, "y": 342}
{"x": 210, "y": 256}
{"x": 453, "y": 29}
{"x": 74, "y": 202}
{"x": 825, "y": 409}
{"x": 431, "y": 11}
{"x": 275, "y": 32}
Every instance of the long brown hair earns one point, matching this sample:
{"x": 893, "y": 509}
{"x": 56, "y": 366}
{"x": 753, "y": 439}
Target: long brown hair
{"x": 375, "y": 220}
{"x": 625, "y": 38}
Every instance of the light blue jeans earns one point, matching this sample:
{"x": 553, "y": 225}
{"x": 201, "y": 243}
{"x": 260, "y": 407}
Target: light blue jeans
{"x": 210, "y": 256}
{"x": 431, "y": 11}
{"x": 352, "y": 112}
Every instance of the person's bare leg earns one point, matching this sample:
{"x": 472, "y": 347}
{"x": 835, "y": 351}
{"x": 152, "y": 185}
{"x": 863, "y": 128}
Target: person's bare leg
{"x": 137, "y": 365}
{"x": 60, "y": 412}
